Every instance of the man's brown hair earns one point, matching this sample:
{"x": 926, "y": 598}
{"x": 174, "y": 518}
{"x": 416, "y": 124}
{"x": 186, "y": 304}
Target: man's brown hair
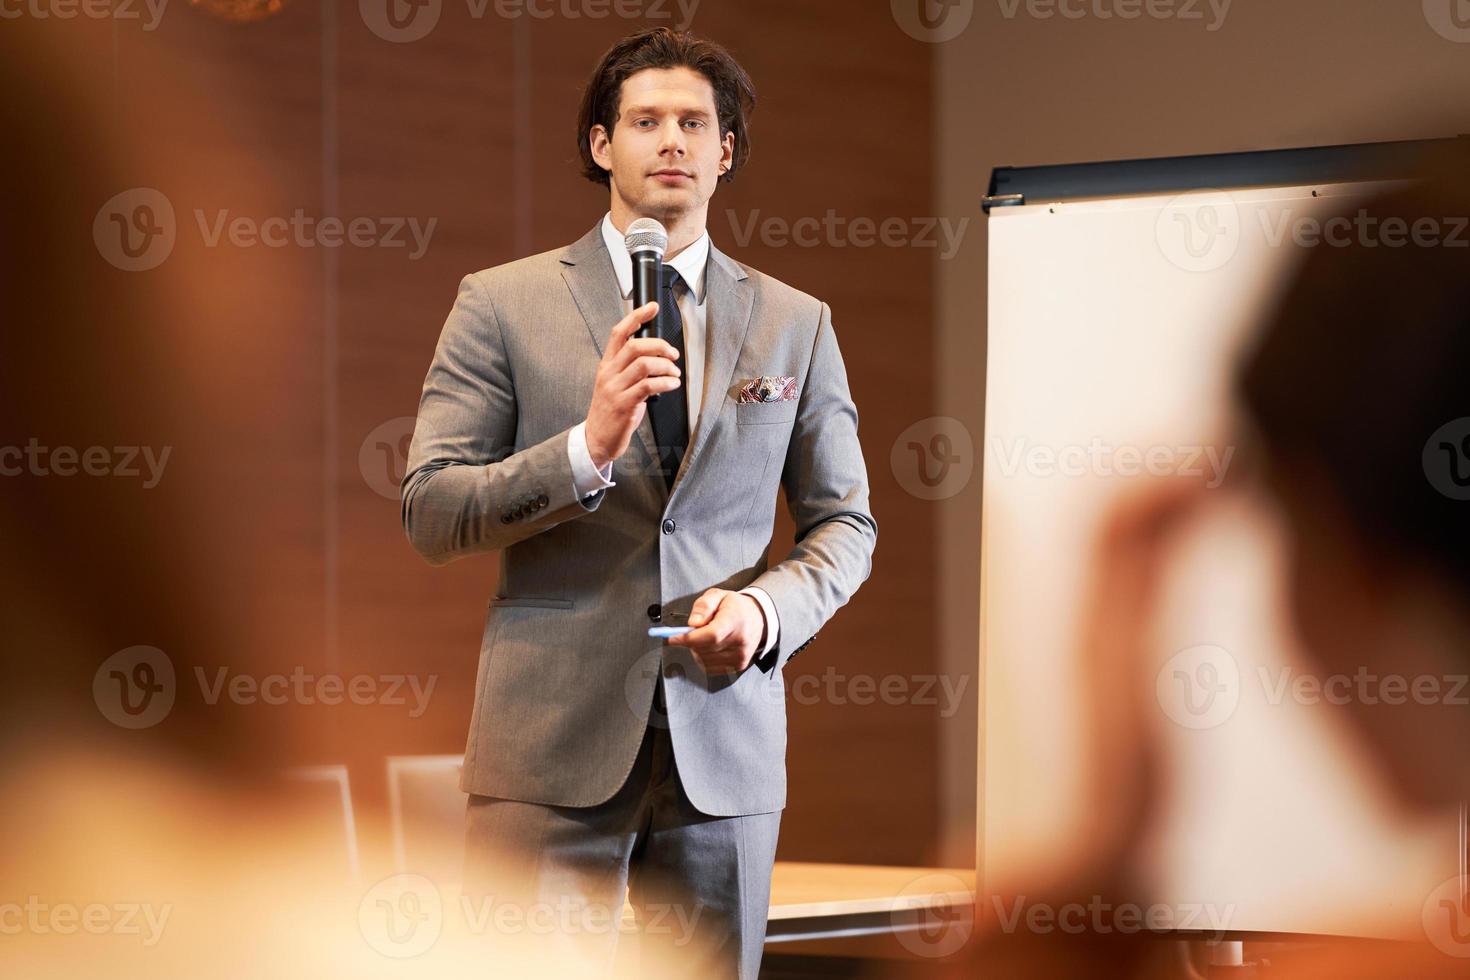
{"x": 665, "y": 48}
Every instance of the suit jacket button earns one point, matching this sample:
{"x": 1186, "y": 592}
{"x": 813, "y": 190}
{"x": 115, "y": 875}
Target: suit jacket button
{"x": 655, "y": 613}
{"x": 669, "y": 525}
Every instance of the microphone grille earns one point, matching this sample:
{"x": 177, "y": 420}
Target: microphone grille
{"x": 646, "y": 234}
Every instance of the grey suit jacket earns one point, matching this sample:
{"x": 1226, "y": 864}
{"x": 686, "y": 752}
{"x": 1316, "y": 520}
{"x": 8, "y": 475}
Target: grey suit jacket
{"x": 567, "y": 669}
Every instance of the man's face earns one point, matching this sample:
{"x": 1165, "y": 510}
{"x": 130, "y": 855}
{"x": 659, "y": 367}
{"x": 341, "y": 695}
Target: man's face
{"x": 664, "y": 155}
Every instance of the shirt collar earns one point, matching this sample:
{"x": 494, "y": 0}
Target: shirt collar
{"x": 690, "y": 263}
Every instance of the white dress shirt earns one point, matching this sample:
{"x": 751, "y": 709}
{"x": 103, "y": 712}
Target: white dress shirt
{"x": 587, "y": 479}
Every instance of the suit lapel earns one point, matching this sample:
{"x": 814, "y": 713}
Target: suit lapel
{"x": 729, "y": 304}
{"x": 588, "y": 271}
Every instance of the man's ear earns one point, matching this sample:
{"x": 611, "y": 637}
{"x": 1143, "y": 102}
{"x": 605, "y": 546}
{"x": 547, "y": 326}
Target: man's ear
{"x": 727, "y": 153}
{"x": 599, "y": 141}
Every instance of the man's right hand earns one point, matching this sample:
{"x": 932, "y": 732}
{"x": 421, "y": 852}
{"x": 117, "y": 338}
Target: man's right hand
{"x": 632, "y": 368}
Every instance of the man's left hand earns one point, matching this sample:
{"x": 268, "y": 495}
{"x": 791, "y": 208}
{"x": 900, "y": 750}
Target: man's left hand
{"x": 728, "y": 630}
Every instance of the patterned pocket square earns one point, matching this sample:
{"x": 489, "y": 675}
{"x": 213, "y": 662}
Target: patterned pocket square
{"x": 769, "y": 388}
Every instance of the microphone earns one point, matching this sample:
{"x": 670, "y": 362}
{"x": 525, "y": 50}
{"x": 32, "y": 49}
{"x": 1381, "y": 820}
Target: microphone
{"x": 646, "y": 241}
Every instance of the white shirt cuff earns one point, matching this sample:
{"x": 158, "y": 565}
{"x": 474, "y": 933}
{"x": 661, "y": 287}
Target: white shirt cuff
{"x": 587, "y": 479}
{"x": 768, "y": 609}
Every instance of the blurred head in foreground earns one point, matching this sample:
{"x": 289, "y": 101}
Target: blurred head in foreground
{"x": 1358, "y": 395}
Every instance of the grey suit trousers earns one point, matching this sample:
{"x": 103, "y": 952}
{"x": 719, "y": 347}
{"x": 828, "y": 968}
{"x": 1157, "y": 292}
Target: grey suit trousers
{"x": 699, "y": 885}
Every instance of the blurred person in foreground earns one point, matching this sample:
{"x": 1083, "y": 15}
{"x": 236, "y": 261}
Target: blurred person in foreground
{"x": 147, "y": 847}
{"x": 1355, "y": 400}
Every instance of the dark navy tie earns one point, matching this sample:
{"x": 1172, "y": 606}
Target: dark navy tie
{"x": 670, "y": 413}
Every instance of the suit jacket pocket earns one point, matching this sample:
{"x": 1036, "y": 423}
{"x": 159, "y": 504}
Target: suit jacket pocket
{"x": 765, "y": 413}
{"x": 533, "y": 601}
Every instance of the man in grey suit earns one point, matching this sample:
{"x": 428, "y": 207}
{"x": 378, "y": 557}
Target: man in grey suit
{"x": 601, "y": 760}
